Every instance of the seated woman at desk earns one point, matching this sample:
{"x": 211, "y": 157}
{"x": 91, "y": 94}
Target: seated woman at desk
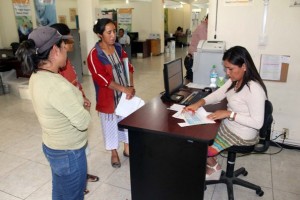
{"x": 246, "y": 94}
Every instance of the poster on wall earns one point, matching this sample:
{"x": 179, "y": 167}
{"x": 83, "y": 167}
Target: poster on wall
{"x": 125, "y": 19}
{"x": 238, "y": 2}
{"x": 23, "y": 18}
{"x": 62, "y": 19}
{"x": 45, "y": 12}
{"x": 73, "y": 14}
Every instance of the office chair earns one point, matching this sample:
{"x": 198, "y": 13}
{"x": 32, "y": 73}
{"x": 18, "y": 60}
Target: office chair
{"x": 230, "y": 177}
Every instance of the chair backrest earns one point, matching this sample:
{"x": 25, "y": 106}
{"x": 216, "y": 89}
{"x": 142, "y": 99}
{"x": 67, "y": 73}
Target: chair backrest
{"x": 265, "y": 131}
{"x": 14, "y": 46}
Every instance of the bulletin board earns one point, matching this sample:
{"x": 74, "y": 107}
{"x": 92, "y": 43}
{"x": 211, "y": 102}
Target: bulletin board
{"x": 274, "y": 67}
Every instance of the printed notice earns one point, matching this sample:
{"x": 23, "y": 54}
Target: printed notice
{"x": 271, "y": 66}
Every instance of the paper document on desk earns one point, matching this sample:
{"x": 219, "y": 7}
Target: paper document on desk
{"x": 196, "y": 85}
{"x": 190, "y": 118}
{"x": 126, "y": 107}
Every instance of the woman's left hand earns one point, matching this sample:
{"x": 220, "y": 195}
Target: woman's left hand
{"x": 219, "y": 114}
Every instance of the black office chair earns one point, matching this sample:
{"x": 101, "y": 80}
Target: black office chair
{"x": 230, "y": 177}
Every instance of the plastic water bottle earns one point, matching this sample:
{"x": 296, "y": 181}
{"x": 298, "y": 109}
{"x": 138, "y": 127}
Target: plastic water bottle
{"x": 213, "y": 77}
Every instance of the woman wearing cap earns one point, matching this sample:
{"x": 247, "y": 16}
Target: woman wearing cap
{"x": 69, "y": 73}
{"x": 105, "y": 62}
{"x": 60, "y": 109}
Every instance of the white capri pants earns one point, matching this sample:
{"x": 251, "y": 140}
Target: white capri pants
{"x": 112, "y": 135}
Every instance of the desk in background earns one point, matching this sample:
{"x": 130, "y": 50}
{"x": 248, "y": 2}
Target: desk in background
{"x": 167, "y": 162}
{"x": 141, "y": 46}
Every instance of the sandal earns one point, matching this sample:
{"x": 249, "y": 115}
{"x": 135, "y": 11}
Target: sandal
{"x": 125, "y": 154}
{"x": 92, "y": 178}
{"x": 215, "y": 175}
{"x": 115, "y": 164}
{"x": 86, "y": 191}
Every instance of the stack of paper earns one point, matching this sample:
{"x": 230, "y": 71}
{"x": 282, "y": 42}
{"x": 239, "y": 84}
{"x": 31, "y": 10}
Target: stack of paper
{"x": 190, "y": 118}
{"x": 126, "y": 107}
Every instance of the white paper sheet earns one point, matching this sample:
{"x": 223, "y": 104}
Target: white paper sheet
{"x": 126, "y": 107}
{"x": 199, "y": 117}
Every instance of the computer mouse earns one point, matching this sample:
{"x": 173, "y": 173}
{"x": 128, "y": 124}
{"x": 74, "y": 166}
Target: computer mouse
{"x": 207, "y": 89}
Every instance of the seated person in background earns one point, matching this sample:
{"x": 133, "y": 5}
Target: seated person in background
{"x": 179, "y": 32}
{"x": 123, "y": 39}
{"x": 180, "y": 37}
{"x": 246, "y": 94}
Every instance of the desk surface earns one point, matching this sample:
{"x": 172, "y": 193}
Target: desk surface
{"x": 155, "y": 117}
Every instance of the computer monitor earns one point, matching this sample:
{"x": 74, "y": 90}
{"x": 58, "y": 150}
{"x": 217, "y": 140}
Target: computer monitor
{"x": 133, "y": 36}
{"x": 173, "y": 79}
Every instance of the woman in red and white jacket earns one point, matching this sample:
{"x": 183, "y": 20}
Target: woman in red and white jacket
{"x": 105, "y": 62}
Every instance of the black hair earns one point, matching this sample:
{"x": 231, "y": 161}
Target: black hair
{"x": 122, "y": 29}
{"x": 99, "y": 26}
{"x": 238, "y": 56}
{"x": 62, "y": 28}
{"x": 30, "y": 58}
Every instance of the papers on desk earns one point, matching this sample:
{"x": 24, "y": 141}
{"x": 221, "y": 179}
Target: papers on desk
{"x": 126, "y": 107}
{"x": 199, "y": 117}
{"x": 196, "y": 85}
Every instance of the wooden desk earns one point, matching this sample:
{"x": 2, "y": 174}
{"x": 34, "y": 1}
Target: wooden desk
{"x": 155, "y": 47}
{"x": 167, "y": 162}
{"x": 141, "y": 46}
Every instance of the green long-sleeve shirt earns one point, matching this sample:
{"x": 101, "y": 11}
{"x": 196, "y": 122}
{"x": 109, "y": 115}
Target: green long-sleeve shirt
{"x": 59, "y": 108}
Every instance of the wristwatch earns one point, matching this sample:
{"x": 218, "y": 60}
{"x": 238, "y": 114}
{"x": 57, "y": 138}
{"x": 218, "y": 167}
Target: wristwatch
{"x": 231, "y": 118}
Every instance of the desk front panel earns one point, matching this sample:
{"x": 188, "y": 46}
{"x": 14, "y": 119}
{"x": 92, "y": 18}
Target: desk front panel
{"x": 166, "y": 168}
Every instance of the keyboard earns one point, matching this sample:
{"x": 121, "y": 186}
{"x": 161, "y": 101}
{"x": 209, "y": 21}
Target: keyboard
{"x": 193, "y": 98}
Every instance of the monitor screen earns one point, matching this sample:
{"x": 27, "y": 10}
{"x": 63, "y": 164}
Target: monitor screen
{"x": 173, "y": 76}
{"x": 133, "y": 36}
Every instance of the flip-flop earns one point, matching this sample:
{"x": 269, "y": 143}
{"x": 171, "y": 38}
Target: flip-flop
{"x": 125, "y": 154}
{"x": 116, "y": 164}
{"x": 92, "y": 178}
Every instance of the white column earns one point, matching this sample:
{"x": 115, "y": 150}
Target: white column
{"x": 86, "y": 13}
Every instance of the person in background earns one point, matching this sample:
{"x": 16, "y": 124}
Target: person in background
{"x": 200, "y": 33}
{"x": 69, "y": 73}
{"x": 60, "y": 110}
{"x": 123, "y": 39}
{"x": 105, "y": 62}
{"x": 246, "y": 94}
{"x": 179, "y": 32}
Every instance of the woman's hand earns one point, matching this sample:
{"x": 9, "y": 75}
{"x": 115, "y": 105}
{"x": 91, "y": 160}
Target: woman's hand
{"x": 86, "y": 103}
{"x": 219, "y": 114}
{"x": 195, "y": 106}
{"x": 129, "y": 91}
{"x": 192, "y": 108}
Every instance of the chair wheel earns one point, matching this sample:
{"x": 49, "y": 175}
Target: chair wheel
{"x": 260, "y": 192}
{"x": 245, "y": 173}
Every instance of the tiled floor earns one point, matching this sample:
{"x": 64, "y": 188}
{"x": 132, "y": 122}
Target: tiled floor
{"x": 25, "y": 173}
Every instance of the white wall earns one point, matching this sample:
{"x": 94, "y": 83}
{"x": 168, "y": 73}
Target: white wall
{"x": 62, "y": 8}
{"x": 242, "y": 25}
{"x": 179, "y": 17}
